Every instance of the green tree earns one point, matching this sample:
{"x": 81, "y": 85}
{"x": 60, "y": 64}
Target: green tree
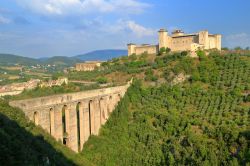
{"x": 162, "y": 50}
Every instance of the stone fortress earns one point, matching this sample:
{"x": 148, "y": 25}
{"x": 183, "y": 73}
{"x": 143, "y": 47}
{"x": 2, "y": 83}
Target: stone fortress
{"x": 179, "y": 41}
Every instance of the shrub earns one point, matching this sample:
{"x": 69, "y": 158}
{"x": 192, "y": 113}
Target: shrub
{"x": 168, "y": 50}
{"x": 162, "y": 50}
{"x": 102, "y": 80}
{"x": 201, "y": 54}
{"x": 184, "y": 53}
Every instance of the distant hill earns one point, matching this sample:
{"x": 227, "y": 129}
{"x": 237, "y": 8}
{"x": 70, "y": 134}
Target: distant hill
{"x": 60, "y": 60}
{"x": 9, "y": 59}
{"x": 102, "y": 55}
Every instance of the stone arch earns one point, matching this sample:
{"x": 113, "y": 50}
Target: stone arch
{"x": 110, "y": 105}
{"x": 36, "y": 118}
{"x": 79, "y": 124}
{"x": 102, "y": 110}
{"x": 90, "y": 117}
{"x": 52, "y": 121}
{"x": 65, "y": 124}
{"x": 103, "y": 113}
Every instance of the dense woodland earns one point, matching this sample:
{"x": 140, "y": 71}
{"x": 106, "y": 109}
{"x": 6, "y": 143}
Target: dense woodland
{"x": 201, "y": 121}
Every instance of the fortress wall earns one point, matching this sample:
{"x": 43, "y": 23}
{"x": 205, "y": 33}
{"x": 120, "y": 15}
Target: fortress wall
{"x": 182, "y": 43}
{"x": 212, "y": 42}
{"x": 131, "y": 49}
{"x": 152, "y": 49}
{"x": 72, "y": 118}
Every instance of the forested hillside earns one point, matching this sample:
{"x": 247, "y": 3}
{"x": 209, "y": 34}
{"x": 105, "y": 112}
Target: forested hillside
{"x": 202, "y": 121}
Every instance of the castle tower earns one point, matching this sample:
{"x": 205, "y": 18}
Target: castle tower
{"x": 218, "y": 41}
{"x": 163, "y": 34}
{"x": 131, "y": 49}
{"x": 203, "y": 39}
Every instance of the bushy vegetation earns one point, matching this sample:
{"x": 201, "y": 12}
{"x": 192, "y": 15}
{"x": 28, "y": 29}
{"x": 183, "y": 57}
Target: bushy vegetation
{"x": 204, "y": 121}
{"x": 47, "y": 91}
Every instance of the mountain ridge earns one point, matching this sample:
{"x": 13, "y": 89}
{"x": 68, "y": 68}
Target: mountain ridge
{"x": 102, "y": 55}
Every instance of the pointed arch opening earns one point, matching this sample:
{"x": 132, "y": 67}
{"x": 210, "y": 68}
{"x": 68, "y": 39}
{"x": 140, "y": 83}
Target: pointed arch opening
{"x": 102, "y": 110}
{"x": 90, "y": 126}
{"x": 110, "y": 105}
{"x": 78, "y": 109}
{"x": 36, "y": 118}
{"x": 52, "y": 121}
{"x": 64, "y": 128}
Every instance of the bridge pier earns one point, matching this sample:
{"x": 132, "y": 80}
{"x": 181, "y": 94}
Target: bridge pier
{"x": 71, "y": 124}
{"x": 104, "y": 109}
{"x": 52, "y": 121}
{"x": 58, "y": 131}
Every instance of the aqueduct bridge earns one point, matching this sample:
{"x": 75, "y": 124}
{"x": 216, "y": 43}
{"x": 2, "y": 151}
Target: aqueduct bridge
{"x": 72, "y": 118}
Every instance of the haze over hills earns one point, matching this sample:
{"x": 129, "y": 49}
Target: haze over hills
{"x": 102, "y": 55}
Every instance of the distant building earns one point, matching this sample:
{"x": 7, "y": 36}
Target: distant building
{"x": 88, "y": 65}
{"x": 179, "y": 41}
{"x": 58, "y": 82}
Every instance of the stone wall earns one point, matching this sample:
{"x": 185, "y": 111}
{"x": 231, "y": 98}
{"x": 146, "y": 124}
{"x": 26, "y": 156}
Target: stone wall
{"x": 88, "y": 66}
{"x": 149, "y": 49}
{"x": 72, "y": 118}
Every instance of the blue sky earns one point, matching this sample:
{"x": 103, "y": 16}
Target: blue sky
{"x": 41, "y": 28}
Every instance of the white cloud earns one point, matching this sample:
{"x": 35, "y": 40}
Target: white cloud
{"x": 4, "y": 20}
{"x": 130, "y": 26}
{"x": 69, "y": 7}
{"x": 140, "y": 30}
{"x": 240, "y": 39}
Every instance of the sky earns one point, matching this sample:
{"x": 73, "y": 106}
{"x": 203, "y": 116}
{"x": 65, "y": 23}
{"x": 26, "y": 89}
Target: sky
{"x": 45, "y": 28}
